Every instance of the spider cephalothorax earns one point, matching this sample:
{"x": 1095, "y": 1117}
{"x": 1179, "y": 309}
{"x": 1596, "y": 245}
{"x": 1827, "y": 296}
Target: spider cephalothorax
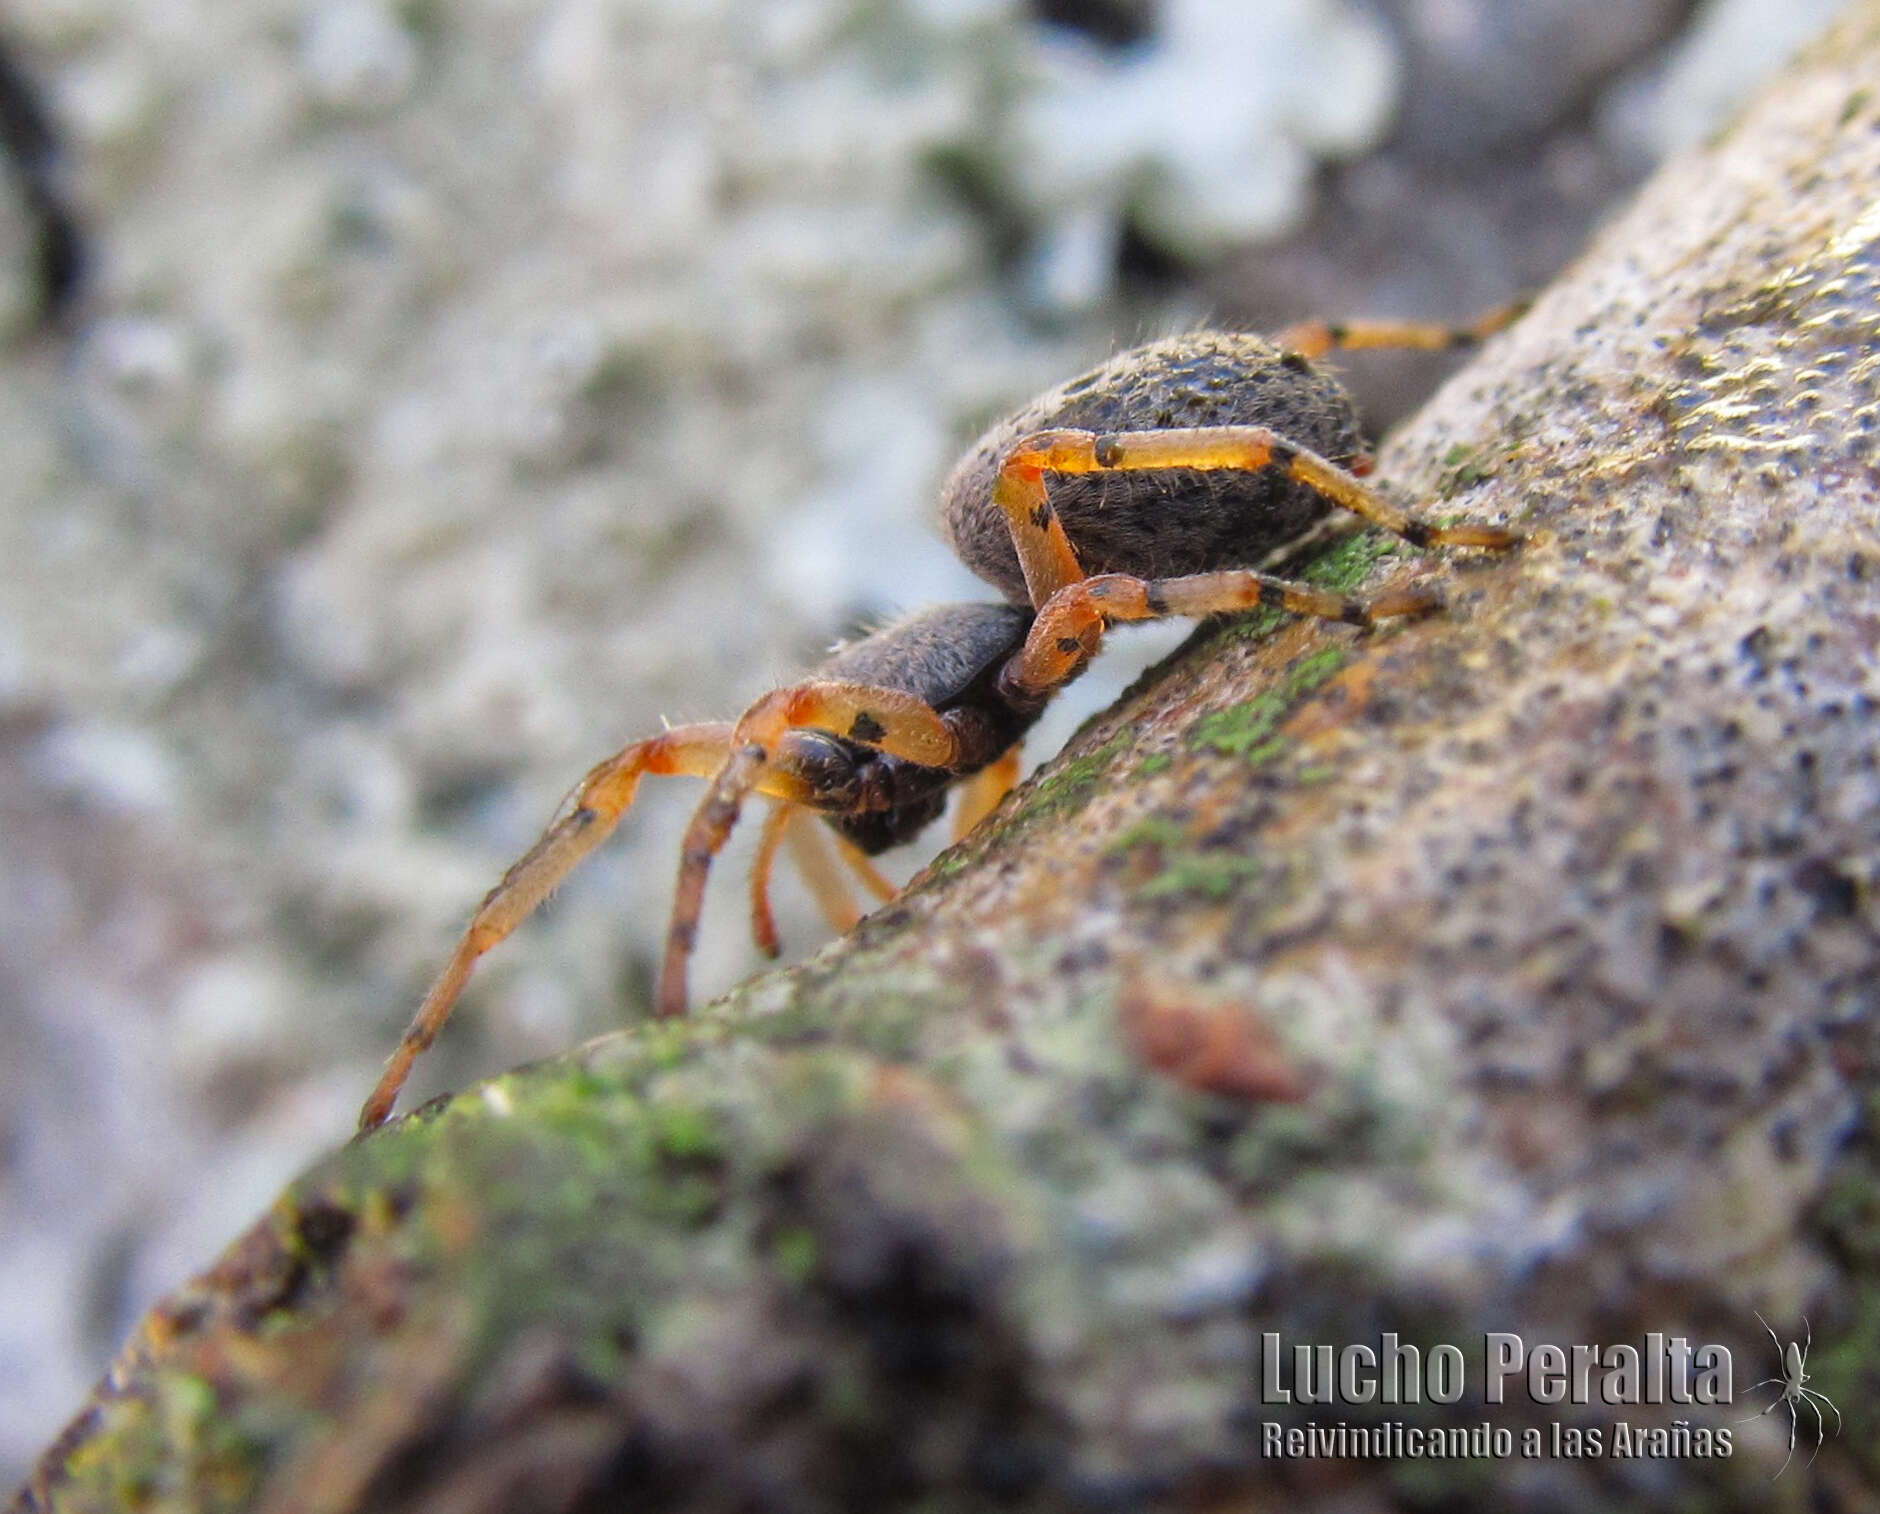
{"x": 1143, "y": 489}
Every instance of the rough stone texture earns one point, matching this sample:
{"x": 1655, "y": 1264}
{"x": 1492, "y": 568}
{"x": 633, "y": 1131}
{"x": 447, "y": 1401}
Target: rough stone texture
{"x": 1513, "y": 970}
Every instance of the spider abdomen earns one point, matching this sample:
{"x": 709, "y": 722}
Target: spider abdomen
{"x": 1172, "y": 521}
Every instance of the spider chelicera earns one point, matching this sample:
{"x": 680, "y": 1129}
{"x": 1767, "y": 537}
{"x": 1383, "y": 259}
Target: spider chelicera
{"x": 1139, "y": 491}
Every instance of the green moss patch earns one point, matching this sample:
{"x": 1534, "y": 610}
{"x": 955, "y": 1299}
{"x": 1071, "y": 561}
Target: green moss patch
{"x": 1247, "y": 730}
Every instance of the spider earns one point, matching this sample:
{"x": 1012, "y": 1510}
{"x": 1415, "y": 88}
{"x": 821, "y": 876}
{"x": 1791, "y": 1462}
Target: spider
{"x": 1136, "y": 492}
{"x": 1795, "y": 1391}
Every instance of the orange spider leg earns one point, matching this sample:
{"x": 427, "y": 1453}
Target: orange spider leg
{"x": 1245, "y": 449}
{"x": 1316, "y": 338}
{"x": 588, "y": 817}
{"x": 872, "y": 878}
{"x": 1069, "y": 628}
{"x": 777, "y": 823}
{"x": 1044, "y": 552}
{"x": 795, "y": 825}
{"x": 981, "y": 793}
{"x": 810, "y": 851}
{"x": 885, "y": 719}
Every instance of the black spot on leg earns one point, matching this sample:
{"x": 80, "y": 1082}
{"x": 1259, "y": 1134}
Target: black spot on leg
{"x": 581, "y": 818}
{"x": 1155, "y": 599}
{"x": 1273, "y": 595}
{"x": 686, "y": 934}
{"x": 1041, "y": 517}
{"x": 1108, "y": 451}
{"x": 1354, "y": 612}
{"x": 1416, "y": 533}
{"x": 1281, "y": 454}
{"x": 1296, "y": 362}
{"x": 866, "y": 729}
{"x": 1070, "y": 646}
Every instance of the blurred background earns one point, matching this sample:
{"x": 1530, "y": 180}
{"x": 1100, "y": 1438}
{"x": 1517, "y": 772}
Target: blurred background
{"x": 405, "y": 404}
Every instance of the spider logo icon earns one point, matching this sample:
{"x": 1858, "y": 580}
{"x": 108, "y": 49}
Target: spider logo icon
{"x": 1795, "y": 1392}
